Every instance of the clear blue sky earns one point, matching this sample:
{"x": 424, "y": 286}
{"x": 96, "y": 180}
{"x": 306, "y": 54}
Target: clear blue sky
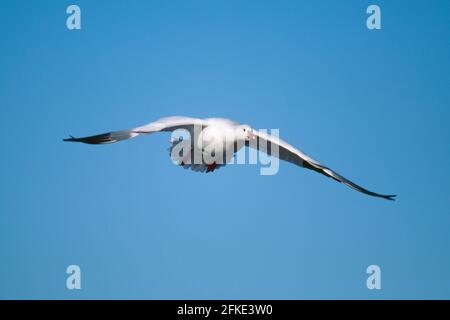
{"x": 373, "y": 105}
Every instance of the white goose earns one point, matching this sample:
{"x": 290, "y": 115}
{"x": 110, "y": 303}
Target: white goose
{"x": 212, "y": 136}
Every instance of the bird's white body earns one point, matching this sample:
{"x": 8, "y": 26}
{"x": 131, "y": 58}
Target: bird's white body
{"x": 219, "y": 137}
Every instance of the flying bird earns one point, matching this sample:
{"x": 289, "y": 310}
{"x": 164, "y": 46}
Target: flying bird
{"x": 219, "y": 139}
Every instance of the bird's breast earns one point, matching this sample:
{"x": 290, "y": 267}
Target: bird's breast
{"x": 215, "y": 136}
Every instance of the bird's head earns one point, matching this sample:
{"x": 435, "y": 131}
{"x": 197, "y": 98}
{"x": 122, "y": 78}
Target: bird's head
{"x": 245, "y": 133}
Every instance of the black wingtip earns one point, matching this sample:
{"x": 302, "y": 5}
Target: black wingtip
{"x": 71, "y": 139}
{"x": 390, "y": 197}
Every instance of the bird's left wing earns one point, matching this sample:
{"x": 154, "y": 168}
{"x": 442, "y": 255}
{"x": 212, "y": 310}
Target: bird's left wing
{"x": 269, "y": 143}
{"x": 163, "y": 124}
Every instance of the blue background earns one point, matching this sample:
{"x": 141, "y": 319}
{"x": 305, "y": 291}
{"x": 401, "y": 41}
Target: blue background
{"x": 373, "y": 105}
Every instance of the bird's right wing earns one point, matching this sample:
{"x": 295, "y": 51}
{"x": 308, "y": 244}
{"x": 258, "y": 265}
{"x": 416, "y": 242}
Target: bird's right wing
{"x": 164, "y": 124}
{"x": 284, "y": 151}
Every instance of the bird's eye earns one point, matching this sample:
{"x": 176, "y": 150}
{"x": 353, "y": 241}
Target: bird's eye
{"x": 244, "y": 129}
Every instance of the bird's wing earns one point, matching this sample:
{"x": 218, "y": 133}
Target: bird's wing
{"x": 163, "y": 124}
{"x": 266, "y": 143}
